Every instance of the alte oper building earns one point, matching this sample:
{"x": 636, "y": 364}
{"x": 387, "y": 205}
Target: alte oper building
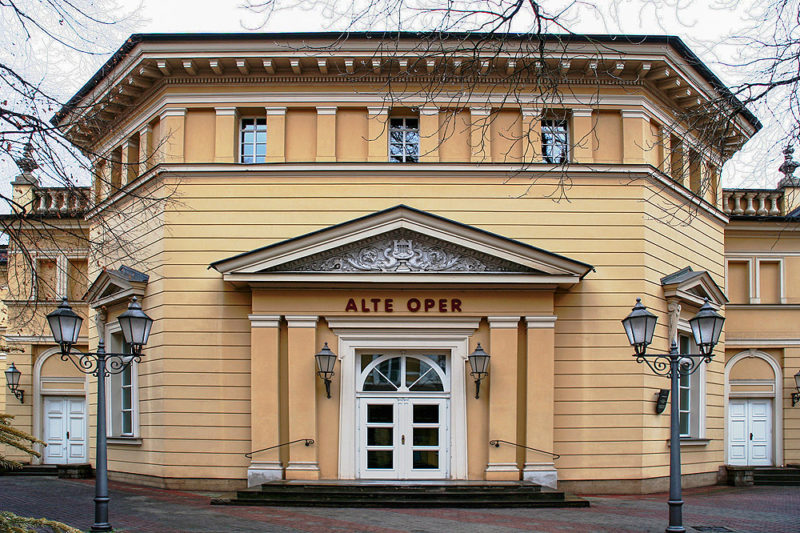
{"x": 404, "y": 203}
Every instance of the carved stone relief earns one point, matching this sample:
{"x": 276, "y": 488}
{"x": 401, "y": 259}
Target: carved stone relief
{"x": 401, "y": 251}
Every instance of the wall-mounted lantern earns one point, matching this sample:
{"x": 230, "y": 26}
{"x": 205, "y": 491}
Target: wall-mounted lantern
{"x": 12, "y": 380}
{"x": 326, "y": 360}
{"x": 479, "y": 363}
{"x": 661, "y": 400}
{"x": 796, "y": 395}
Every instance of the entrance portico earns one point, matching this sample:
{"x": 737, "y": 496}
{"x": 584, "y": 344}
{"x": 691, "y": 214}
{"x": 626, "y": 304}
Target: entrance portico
{"x": 404, "y": 296}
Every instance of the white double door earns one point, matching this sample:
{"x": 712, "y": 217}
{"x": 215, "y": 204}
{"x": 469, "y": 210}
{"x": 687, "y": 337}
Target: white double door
{"x": 65, "y": 430}
{"x": 750, "y": 432}
{"x": 403, "y": 438}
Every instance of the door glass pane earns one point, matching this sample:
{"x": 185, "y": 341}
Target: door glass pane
{"x": 380, "y": 413}
{"x": 426, "y": 414}
{"x": 424, "y": 459}
{"x": 426, "y": 436}
{"x": 380, "y": 436}
{"x": 367, "y": 358}
{"x": 379, "y": 459}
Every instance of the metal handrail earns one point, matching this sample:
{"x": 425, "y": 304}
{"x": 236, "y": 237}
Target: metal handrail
{"x": 307, "y": 442}
{"x": 496, "y": 444}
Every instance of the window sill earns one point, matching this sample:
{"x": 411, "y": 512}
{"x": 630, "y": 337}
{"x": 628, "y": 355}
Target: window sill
{"x": 689, "y": 441}
{"x": 126, "y": 441}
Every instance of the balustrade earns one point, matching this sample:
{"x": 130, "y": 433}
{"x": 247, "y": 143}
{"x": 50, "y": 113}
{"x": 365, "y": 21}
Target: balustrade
{"x": 752, "y": 202}
{"x": 60, "y": 200}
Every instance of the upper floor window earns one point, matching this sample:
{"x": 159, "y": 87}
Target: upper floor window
{"x": 691, "y": 394}
{"x": 555, "y": 141}
{"x": 253, "y": 140}
{"x": 122, "y": 394}
{"x": 403, "y": 140}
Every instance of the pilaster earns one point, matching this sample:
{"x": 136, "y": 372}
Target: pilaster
{"x": 532, "y": 131}
{"x": 634, "y": 124}
{"x": 503, "y": 406}
{"x": 582, "y": 133}
{"x": 378, "y": 134}
{"x": 326, "y": 134}
{"x": 129, "y": 162}
{"x": 225, "y": 135}
{"x": 302, "y": 398}
{"x": 429, "y": 134}
{"x": 145, "y": 148}
{"x": 539, "y": 467}
{"x": 173, "y": 122}
{"x": 264, "y": 399}
{"x": 276, "y": 134}
{"x": 480, "y": 135}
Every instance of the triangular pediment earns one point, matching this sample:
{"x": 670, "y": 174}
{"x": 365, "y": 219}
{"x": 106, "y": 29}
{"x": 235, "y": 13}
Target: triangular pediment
{"x": 401, "y": 244}
{"x": 116, "y": 285}
{"x": 693, "y": 287}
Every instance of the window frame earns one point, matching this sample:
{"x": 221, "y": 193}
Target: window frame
{"x": 750, "y": 290}
{"x": 566, "y": 145}
{"x": 696, "y": 410}
{"x": 240, "y": 140}
{"x": 405, "y": 129}
{"x": 757, "y": 284}
{"x": 113, "y": 329}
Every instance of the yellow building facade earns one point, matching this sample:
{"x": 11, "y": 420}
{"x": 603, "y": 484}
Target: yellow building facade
{"x": 281, "y": 193}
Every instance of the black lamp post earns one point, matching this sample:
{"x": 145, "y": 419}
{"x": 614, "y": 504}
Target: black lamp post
{"x": 66, "y": 326}
{"x": 12, "y": 380}
{"x": 326, "y": 360}
{"x": 706, "y": 328}
{"x": 479, "y": 365}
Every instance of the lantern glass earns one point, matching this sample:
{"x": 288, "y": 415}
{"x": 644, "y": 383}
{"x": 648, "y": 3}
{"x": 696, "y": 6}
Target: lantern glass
{"x": 640, "y": 325}
{"x": 135, "y": 325}
{"x": 65, "y": 324}
{"x": 326, "y": 361}
{"x": 12, "y": 377}
{"x": 797, "y": 380}
{"x": 479, "y": 361}
{"x": 706, "y": 328}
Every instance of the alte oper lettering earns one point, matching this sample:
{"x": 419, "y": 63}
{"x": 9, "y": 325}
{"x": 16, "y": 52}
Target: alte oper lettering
{"x": 414, "y": 305}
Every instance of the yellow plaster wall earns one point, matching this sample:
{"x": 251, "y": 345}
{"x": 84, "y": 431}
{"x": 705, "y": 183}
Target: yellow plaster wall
{"x": 607, "y": 137}
{"x": 301, "y": 135}
{"x": 454, "y": 135}
{"x": 506, "y": 132}
{"x": 352, "y": 134}
{"x": 751, "y": 368}
{"x": 200, "y": 135}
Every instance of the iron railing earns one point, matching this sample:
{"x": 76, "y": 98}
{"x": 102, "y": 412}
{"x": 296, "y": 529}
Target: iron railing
{"x": 307, "y": 442}
{"x": 496, "y": 444}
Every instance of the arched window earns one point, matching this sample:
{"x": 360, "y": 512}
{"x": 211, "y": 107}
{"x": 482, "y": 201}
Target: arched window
{"x": 403, "y": 373}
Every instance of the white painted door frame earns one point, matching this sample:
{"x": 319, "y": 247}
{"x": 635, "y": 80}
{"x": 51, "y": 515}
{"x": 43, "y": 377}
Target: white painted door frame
{"x": 450, "y": 334}
{"x": 750, "y": 439}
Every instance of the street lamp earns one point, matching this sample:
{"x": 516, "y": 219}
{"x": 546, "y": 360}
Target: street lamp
{"x": 706, "y": 328}
{"x": 326, "y": 360}
{"x": 65, "y": 325}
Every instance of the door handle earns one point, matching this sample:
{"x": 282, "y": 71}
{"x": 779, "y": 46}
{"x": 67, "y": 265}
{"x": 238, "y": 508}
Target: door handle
{"x": 751, "y": 436}
{"x": 402, "y": 439}
{"x": 68, "y": 435}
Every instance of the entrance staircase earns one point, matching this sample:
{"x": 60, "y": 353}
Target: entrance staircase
{"x": 403, "y": 494}
{"x": 789, "y": 475}
{"x": 31, "y": 470}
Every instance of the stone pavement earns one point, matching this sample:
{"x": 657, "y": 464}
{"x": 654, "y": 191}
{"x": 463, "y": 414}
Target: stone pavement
{"x": 143, "y": 509}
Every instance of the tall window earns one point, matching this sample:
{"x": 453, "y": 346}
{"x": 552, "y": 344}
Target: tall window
{"x": 121, "y": 394}
{"x": 555, "y": 141}
{"x": 404, "y": 140}
{"x": 690, "y": 394}
{"x": 253, "y": 140}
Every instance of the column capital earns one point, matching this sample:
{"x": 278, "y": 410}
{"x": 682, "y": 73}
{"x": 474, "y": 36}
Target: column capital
{"x": 172, "y": 112}
{"x": 634, "y": 113}
{"x": 378, "y": 110}
{"x": 326, "y": 110}
{"x": 264, "y": 321}
{"x": 302, "y": 321}
{"x": 541, "y": 321}
{"x": 146, "y": 129}
{"x": 225, "y": 111}
{"x": 480, "y": 111}
{"x": 528, "y": 111}
{"x": 503, "y": 322}
{"x": 275, "y": 110}
{"x": 582, "y": 112}
{"x": 429, "y": 110}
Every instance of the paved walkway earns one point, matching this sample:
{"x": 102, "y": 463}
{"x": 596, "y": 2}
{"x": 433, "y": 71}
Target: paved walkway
{"x": 142, "y": 509}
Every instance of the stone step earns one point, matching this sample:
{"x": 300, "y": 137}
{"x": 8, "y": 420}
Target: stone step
{"x": 776, "y": 476}
{"x": 31, "y": 470}
{"x": 366, "y": 494}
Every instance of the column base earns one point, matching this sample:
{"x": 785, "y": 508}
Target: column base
{"x": 302, "y": 470}
{"x": 502, "y": 472}
{"x": 262, "y": 472}
{"x": 544, "y": 474}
